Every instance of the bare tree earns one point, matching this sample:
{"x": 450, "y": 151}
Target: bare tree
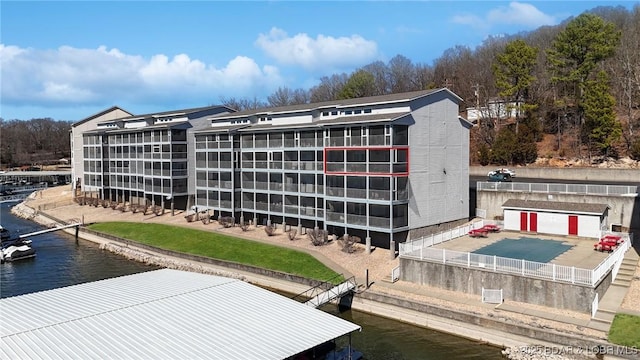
{"x": 381, "y": 77}
{"x": 403, "y": 74}
{"x": 328, "y": 88}
{"x": 243, "y": 103}
{"x": 285, "y": 97}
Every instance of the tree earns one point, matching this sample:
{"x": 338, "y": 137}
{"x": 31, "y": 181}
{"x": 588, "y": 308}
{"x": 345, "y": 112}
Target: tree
{"x": 360, "y": 84}
{"x": 328, "y": 88}
{"x": 505, "y": 147}
{"x": 381, "y": 76}
{"x": 285, "y": 97}
{"x": 243, "y": 103}
{"x": 513, "y": 73}
{"x": 403, "y": 74}
{"x": 574, "y": 55}
{"x": 586, "y": 41}
{"x": 601, "y": 128}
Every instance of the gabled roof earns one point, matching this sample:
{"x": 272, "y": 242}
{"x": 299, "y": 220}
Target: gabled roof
{"x": 163, "y": 314}
{"x": 101, "y": 113}
{"x": 181, "y": 112}
{"x": 556, "y": 206}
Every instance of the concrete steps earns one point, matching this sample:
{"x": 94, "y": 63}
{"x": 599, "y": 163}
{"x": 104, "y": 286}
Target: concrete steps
{"x": 609, "y": 304}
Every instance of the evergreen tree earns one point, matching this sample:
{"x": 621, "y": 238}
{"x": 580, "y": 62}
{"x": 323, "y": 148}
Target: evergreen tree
{"x": 601, "y": 128}
{"x": 513, "y": 70}
{"x": 360, "y": 84}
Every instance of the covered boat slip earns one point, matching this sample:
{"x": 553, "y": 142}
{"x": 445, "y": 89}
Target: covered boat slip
{"x": 163, "y": 314}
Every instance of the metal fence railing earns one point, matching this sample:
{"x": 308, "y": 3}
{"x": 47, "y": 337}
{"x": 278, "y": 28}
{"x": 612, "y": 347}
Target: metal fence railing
{"x": 587, "y": 189}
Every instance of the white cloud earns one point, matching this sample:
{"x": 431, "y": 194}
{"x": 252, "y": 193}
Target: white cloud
{"x": 520, "y": 13}
{"x": 516, "y": 13}
{"x": 70, "y": 76}
{"x": 323, "y": 52}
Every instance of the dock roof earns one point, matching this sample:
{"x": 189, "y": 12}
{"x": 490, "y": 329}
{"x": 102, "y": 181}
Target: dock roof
{"x": 162, "y": 314}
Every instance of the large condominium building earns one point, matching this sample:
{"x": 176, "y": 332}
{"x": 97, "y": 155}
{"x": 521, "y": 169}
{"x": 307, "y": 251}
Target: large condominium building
{"x": 138, "y": 159}
{"x": 389, "y": 167}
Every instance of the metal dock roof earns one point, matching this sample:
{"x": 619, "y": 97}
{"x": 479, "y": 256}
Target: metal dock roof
{"x": 162, "y": 314}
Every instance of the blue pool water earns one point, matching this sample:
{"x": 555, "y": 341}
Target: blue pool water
{"x": 527, "y": 248}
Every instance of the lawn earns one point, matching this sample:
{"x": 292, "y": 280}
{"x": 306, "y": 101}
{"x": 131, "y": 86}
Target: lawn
{"x": 222, "y": 247}
{"x": 625, "y": 330}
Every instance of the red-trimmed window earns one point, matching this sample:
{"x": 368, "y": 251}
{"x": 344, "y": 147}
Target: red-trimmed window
{"x": 379, "y": 161}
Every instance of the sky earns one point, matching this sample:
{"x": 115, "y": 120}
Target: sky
{"x": 68, "y": 60}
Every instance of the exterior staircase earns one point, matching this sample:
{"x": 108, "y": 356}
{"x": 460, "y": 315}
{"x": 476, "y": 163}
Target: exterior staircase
{"x": 610, "y": 303}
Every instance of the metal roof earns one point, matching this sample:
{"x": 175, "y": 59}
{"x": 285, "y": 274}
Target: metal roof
{"x": 557, "y": 206}
{"x": 362, "y": 101}
{"x": 162, "y": 314}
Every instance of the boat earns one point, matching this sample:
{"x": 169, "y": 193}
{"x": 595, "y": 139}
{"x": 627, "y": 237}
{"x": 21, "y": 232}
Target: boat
{"x": 5, "y": 234}
{"x": 18, "y": 249}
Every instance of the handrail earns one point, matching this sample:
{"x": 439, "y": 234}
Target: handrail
{"x": 324, "y": 285}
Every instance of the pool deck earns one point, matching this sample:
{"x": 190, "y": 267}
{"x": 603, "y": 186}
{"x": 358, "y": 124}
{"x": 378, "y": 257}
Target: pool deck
{"x": 580, "y": 255}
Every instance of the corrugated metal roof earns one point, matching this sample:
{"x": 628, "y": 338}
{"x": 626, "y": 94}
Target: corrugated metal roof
{"x": 162, "y": 314}
{"x": 556, "y": 206}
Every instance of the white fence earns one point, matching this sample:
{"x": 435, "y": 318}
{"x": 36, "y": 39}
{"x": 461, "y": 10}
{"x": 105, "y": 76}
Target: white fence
{"x": 422, "y": 249}
{"x": 428, "y": 241}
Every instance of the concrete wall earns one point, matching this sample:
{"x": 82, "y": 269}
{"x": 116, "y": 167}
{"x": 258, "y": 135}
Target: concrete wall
{"x": 576, "y": 174}
{"x": 439, "y": 153}
{"x": 77, "y": 154}
{"x": 515, "y": 288}
{"x": 624, "y": 210}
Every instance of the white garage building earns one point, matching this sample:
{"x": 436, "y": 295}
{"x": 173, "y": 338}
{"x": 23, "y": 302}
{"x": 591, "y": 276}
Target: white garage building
{"x": 553, "y": 217}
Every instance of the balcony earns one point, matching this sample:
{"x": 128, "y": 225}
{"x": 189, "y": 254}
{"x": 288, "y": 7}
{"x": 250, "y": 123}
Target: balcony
{"x": 262, "y": 206}
{"x": 291, "y": 187}
{"x": 384, "y": 195}
{"x": 335, "y": 191}
{"x": 291, "y": 209}
{"x": 356, "y": 193}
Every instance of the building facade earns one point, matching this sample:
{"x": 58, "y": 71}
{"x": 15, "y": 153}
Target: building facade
{"x": 388, "y": 168}
{"x": 140, "y": 159}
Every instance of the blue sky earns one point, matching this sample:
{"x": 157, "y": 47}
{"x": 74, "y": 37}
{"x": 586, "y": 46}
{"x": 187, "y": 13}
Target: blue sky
{"x": 68, "y": 60}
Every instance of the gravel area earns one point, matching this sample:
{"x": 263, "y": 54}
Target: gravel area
{"x": 379, "y": 263}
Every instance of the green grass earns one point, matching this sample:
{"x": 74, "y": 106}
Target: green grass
{"x": 222, "y": 247}
{"x": 625, "y": 330}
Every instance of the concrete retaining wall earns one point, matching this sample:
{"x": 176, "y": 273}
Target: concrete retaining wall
{"x": 492, "y": 330}
{"x": 577, "y": 174}
{"x": 515, "y": 288}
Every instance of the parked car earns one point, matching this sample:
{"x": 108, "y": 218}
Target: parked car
{"x": 503, "y": 170}
{"x": 499, "y": 177}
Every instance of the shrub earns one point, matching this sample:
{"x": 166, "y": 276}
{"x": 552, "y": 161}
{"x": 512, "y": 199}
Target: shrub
{"x": 318, "y": 237}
